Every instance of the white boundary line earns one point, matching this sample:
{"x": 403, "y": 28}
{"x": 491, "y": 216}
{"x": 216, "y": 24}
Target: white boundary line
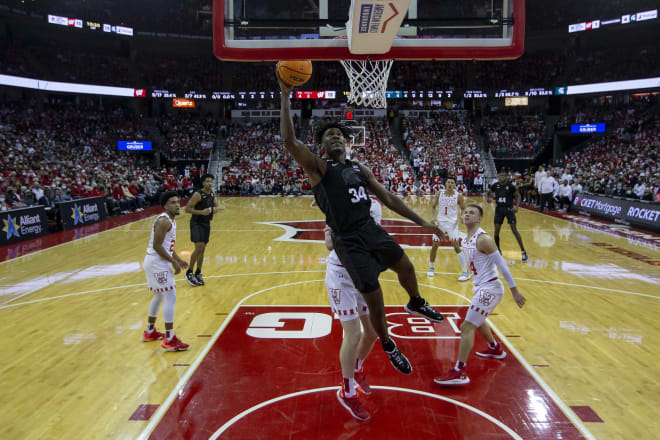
{"x": 162, "y": 409}
{"x": 477, "y": 411}
{"x": 313, "y": 271}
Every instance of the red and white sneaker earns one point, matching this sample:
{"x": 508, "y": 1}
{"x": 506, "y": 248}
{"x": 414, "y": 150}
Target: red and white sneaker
{"x": 361, "y": 382}
{"x": 495, "y": 353}
{"x": 153, "y": 336}
{"x": 174, "y": 344}
{"x": 453, "y": 378}
{"x": 353, "y": 406}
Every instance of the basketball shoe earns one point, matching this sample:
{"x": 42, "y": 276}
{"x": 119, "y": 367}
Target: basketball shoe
{"x": 398, "y": 360}
{"x": 153, "y": 336}
{"x": 453, "y": 377}
{"x": 495, "y": 353}
{"x": 361, "y": 382}
{"x": 418, "y": 306}
{"x": 199, "y": 279}
{"x": 431, "y": 272}
{"x": 524, "y": 257}
{"x": 192, "y": 279}
{"x": 353, "y": 406}
{"x": 174, "y": 344}
{"x": 464, "y": 276}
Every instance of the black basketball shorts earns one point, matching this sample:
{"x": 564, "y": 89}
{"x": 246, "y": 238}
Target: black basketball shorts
{"x": 200, "y": 232}
{"x": 501, "y": 212}
{"x": 365, "y": 253}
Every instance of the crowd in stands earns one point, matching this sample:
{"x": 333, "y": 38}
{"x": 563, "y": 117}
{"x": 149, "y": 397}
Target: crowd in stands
{"x": 624, "y": 164}
{"x": 66, "y": 152}
{"x": 188, "y": 135}
{"x": 512, "y": 133}
{"x": 443, "y": 145}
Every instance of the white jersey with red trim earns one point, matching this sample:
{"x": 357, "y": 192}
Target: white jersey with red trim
{"x": 483, "y": 270}
{"x": 168, "y": 241}
{"x": 447, "y": 207}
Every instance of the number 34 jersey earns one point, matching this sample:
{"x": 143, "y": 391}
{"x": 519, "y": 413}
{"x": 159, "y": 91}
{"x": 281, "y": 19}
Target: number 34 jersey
{"x": 342, "y": 196}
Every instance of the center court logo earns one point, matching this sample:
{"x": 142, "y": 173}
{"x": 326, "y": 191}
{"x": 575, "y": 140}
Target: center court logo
{"x": 10, "y": 227}
{"x": 406, "y": 233}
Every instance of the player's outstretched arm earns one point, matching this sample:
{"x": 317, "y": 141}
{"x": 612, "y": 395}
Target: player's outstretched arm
{"x": 313, "y": 165}
{"x": 486, "y": 245}
{"x": 396, "y": 204}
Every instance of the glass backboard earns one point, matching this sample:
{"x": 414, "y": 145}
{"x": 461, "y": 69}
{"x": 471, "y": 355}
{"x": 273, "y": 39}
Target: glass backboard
{"x": 259, "y": 30}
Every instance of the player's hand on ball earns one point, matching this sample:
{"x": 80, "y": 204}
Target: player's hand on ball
{"x": 208, "y": 211}
{"x": 284, "y": 87}
{"x": 517, "y": 297}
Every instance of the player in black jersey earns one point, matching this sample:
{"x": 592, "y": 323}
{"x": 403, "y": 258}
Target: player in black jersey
{"x": 364, "y": 248}
{"x": 201, "y": 207}
{"x": 507, "y": 201}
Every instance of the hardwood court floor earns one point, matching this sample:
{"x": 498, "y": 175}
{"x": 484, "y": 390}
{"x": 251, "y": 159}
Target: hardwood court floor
{"x": 71, "y": 316}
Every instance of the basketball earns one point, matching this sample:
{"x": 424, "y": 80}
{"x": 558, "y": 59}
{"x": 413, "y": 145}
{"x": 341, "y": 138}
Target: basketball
{"x": 294, "y": 73}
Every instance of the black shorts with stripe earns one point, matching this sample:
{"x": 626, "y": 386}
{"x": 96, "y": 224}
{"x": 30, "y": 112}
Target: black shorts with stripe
{"x": 365, "y": 253}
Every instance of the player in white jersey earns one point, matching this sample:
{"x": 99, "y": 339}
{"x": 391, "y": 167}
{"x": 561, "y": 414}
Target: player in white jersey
{"x": 447, "y": 202}
{"x": 348, "y": 304}
{"x": 484, "y": 260}
{"x": 160, "y": 266}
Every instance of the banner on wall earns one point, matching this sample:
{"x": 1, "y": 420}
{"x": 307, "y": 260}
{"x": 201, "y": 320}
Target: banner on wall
{"x": 23, "y": 224}
{"x": 628, "y": 212}
{"x": 82, "y": 212}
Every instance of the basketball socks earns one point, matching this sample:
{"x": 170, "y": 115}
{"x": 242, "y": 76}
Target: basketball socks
{"x": 169, "y": 333}
{"x": 463, "y": 263}
{"x": 459, "y": 366}
{"x": 151, "y": 327}
{"x": 349, "y": 387}
{"x": 493, "y": 345}
{"x": 189, "y": 270}
{"x": 358, "y": 364}
{"x": 198, "y": 271}
{"x": 431, "y": 264}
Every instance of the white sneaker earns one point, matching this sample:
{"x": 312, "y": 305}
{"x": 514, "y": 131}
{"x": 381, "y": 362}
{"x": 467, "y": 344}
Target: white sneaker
{"x": 464, "y": 276}
{"x": 431, "y": 272}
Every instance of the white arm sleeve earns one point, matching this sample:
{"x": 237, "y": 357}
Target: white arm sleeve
{"x": 496, "y": 258}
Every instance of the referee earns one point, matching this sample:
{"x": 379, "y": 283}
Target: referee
{"x": 505, "y": 195}
{"x": 201, "y": 206}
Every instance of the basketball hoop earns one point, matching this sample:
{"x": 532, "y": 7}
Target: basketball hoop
{"x": 368, "y": 80}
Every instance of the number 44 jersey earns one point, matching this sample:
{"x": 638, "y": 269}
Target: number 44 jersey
{"x": 342, "y": 196}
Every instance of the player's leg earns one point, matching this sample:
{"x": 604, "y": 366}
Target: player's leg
{"x": 171, "y": 342}
{"x": 206, "y": 233}
{"x": 494, "y": 349}
{"x": 511, "y": 218}
{"x": 348, "y": 354}
{"x": 496, "y": 235}
{"x": 457, "y": 375}
{"x": 452, "y": 232}
{"x": 367, "y": 339}
{"x": 374, "y": 300}
{"x": 150, "y": 333}
{"x": 408, "y": 279}
{"x": 196, "y": 238}
{"x": 434, "y": 251}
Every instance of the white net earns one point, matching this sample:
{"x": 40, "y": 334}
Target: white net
{"x": 368, "y": 80}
